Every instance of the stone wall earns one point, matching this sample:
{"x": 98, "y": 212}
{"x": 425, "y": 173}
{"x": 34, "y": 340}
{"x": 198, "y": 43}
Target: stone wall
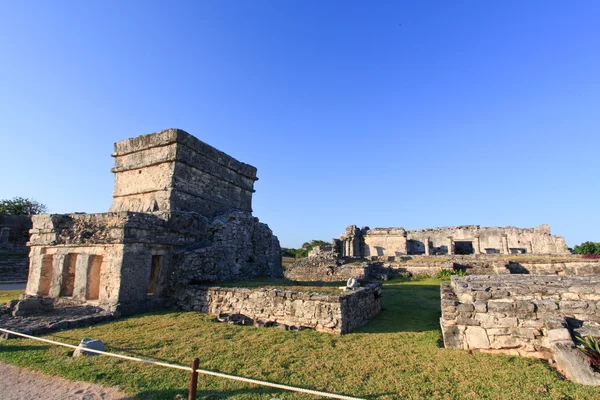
{"x": 471, "y": 239}
{"x": 172, "y": 170}
{"x": 337, "y": 314}
{"x": 517, "y": 314}
{"x": 14, "y": 232}
{"x": 14, "y": 268}
{"x": 325, "y": 268}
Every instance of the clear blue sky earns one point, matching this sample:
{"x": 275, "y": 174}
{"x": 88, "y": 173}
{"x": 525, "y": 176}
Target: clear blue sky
{"x": 412, "y": 114}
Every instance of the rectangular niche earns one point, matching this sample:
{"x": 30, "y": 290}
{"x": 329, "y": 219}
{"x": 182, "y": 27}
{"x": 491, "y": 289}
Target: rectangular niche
{"x": 46, "y": 275}
{"x": 155, "y": 267}
{"x": 93, "y": 277}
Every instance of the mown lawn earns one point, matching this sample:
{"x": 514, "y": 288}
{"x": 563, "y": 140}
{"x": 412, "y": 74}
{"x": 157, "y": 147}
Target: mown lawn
{"x": 396, "y": 356}
{"x": 7, "y": 295}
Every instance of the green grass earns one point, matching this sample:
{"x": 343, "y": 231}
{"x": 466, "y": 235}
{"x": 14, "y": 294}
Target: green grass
{"x": 284, "y": 284}
{"x": 7, "y": 295}
{"x": 397, "y": 355}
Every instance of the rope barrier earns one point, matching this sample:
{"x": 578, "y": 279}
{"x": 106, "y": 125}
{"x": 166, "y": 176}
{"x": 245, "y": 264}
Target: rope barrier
{"x": 188, "y": 369}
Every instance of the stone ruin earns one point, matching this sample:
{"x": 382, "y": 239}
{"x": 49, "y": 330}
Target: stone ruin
{"x": 527, "y": 315}
{"x": 181, "y": 215}
{"x": 14, "y": 233}
{"x": 364, "y": 253}
{"x": 454, "y": 240}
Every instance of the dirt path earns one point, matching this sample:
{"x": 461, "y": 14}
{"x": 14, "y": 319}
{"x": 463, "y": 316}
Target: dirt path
{"x": 22, "y": 384}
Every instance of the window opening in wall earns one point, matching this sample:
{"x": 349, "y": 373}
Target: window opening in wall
{"x": 463, "y": 247}
{"x": 46, "y": 274}
{"x": 68, "y": 278}
{"x": 157, "y": 261}
{"x": 93, "y": 277}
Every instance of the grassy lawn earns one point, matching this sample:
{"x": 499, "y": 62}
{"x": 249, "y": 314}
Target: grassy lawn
{"x": 284, "y": 284}
{"x": 397, "y": 355}
{"x": 7, "y": 295}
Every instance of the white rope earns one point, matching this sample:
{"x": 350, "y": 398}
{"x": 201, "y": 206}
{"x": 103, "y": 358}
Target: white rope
{"x": 189, "y": 369}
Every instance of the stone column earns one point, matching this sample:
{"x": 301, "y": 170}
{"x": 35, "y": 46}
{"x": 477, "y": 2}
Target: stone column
{"x": 427, "y": 246}
{"x": 81, "y": 276}
{"x": 530, "y": 248}
{"x": 58, "y": 265}
{"x": 505, "y": 244}
{"x": 4, "y": 233}
{"x": 476, "y": 247}
{"x": 450, "y": 246}
{"x": 36, "y": 258}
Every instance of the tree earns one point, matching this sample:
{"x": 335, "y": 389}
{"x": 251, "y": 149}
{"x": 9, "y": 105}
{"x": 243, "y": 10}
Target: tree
{"x": 307, "y": 247}
{"x": 21, "y": 206}
{"x": 587, "y": 248}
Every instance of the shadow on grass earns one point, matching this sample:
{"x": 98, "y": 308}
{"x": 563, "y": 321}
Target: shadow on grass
{"x": 12, "y": 349}
{"x": 263, "y": 392}
{"x": 407, "y": 307}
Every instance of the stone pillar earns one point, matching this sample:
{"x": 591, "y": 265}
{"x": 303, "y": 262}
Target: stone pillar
{"x": 81, "y": 276}
{"x": 530, "y": 248}
{"x": 505, "y": 244}
{"x": 426, "y": 246}
{"x": 36, "y": 258}
{"x": 450, "y": 246}
{"x": 58, "y": 265}
{"x": 476, "y": 247}
{"x": 4, "y": 233}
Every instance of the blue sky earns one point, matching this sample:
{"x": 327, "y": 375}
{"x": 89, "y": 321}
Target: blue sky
{"x": 411, "y": 114}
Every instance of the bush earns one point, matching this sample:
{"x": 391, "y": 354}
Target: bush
{"x": 447, "y": 273}
{"x": 587, "y": 248}
{"x": 591, "y": 348}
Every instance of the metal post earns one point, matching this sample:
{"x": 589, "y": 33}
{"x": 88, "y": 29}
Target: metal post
{"x": 194, "y": 379}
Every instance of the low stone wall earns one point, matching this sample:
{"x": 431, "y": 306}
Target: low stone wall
{"x": 325, "y": 268}
{"x": 517, "y": 314}
{"x": 338, "y": 314}
{"x": 14, "y": 268}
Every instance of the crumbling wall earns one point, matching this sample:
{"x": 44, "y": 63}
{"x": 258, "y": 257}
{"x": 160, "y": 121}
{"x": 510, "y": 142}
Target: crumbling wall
{"x": 172, "y": 170}
{"x": 516, "y": 314}
{"x": 337, "y": 314}
{"x": 14, "y": 232}
{"x": 326, "y": 268}
{"x": 385, "y": 242}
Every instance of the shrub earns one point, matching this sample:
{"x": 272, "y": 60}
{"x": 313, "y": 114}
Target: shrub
{"x": 591, "y": 348}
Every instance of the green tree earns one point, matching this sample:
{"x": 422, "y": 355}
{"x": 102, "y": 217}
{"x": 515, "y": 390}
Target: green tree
{"x": 587, "y": 248}
{"x": 21, "y": 206}
{"x": 307, "y": 247}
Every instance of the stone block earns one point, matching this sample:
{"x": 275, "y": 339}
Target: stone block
{"x": 477, "y": 338}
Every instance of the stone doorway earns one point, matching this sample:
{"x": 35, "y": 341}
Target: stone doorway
{"x": 463, "y": 247}
{"x": 68, "y": 277}
{"x": 93, "y": 278}
{"x": 156, "y": 266}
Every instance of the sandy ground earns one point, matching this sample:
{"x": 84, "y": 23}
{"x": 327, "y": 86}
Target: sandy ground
{"x": 21, "y": 384}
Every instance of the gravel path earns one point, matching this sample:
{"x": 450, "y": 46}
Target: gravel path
{"x": 22, "y": 384}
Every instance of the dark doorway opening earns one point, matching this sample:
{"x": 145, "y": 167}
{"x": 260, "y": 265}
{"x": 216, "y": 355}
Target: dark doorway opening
{"x": 156, "y": 266}
{"x": 68, "y": 277}
{"x": 463, "y": 247}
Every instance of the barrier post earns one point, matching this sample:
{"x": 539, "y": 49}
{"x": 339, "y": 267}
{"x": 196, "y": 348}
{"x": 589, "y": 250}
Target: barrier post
{"x": 194, "y": 379}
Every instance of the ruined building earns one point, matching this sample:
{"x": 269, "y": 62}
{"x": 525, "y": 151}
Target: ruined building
{"x": 460, "y": 240}
{"x": 181, "y": 214}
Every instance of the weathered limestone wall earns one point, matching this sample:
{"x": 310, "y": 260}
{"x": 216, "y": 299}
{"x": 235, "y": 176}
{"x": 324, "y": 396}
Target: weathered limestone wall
{"x": 516, "y": 314}
{"x": 325, "y": 313}
{"x": 507, "y": 240}
{"x": 325, "y": 268}
{"x": 385, "y": 242}
{"x": 14, "y": 231}
{"x": 173, "y": 171}
{"x": 13, "y": 268}
{"x": 471, "y": 239}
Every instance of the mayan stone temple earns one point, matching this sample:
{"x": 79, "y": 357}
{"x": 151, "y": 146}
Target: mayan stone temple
{"x": 181, "y": 214}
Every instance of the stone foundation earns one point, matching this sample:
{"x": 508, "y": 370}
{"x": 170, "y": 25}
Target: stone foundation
{"x": 517, "y": 314}
{"x": 338, "y": 314}
{"x": 326, "y": 269}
